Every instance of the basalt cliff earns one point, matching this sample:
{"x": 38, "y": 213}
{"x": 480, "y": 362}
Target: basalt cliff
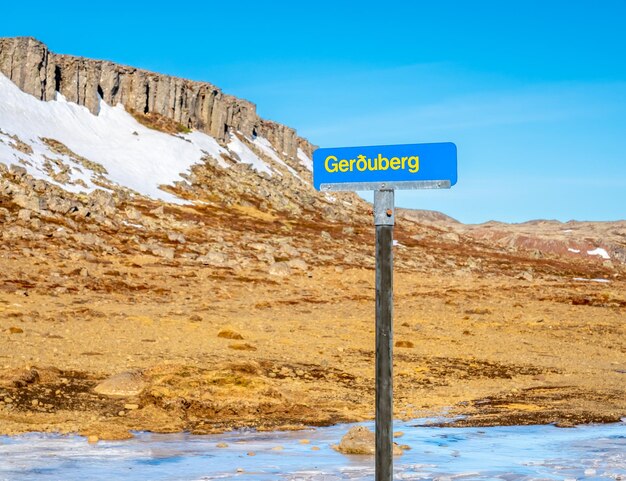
{"x": 30, "y": 65}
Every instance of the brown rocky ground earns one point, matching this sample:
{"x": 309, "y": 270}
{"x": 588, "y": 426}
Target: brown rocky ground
{"x": 242, "y": 317}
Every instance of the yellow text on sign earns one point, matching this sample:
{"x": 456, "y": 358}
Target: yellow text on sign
{"x": 361, "y": 163}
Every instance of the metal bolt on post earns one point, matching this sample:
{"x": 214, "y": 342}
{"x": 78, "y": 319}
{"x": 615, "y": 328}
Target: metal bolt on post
{"x": 384, "y": 221}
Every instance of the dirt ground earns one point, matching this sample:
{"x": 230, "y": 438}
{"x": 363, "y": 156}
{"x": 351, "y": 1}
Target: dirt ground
{"x": 217, "y": 351}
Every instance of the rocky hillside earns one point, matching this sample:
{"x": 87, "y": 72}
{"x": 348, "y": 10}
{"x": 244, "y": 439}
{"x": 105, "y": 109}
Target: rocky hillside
{"x": 90, "y": 145}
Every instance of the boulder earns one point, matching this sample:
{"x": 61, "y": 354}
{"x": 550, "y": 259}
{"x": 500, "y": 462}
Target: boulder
{"x": 229, "y": 334}
{"x": 360, "y": 440}
{"x": 124, "y": 384}
{"x": 176, "y": 237}
{"x": 213, "y": 259}
{"x": 280, "y": 269}
{"x": 298, "y": 264}
{"x": 24, "y": 215}
{"x": 165, "y": 252}
{"x": 30, "y": 201}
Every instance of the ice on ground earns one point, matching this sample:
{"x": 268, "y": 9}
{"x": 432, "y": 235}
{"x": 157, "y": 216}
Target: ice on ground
{"x": 305, "y": 160}
{"x": 599, "y": 252}
{"x": 575, "y": 251}
{"x": 511, "y": 453}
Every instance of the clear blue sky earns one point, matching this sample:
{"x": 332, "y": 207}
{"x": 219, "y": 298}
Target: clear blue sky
{"x": 533, "y": 93}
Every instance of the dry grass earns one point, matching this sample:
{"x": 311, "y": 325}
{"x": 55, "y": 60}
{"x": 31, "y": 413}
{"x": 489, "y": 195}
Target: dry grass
{"x": 159, "y": 122}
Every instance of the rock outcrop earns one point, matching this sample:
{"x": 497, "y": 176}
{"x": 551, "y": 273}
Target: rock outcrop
{"x": 36, "y": 70}
{"x": 360, "y": 440}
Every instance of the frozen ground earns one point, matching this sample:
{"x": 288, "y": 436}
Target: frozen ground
{"x": 499, "y": 453}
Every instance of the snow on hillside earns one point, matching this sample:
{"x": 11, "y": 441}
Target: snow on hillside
{"x": 266, "y": 147}
{"x": 246, "y": 155}
{"x": 133, "y": 156}
{"x": 599, "y": 252}
{"x": 305, "y": 160}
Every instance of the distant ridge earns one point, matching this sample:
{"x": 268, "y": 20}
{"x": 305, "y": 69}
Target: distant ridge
{"x": 422, "y": 215}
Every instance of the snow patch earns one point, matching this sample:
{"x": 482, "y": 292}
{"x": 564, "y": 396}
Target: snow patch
{"x": 43, "y": 163}
{"x": 305, "y": 160}
{"x": 130, "y": 224}
{"x": 575, "y": 251}
{"x": 246, "y": 155}
{"x": 134, "y": 156}
{"x": 266, "y": 147}
{"x": 209, "y": 145}
{"x": 599, "y": 252}
{"x": 582, "y": 279}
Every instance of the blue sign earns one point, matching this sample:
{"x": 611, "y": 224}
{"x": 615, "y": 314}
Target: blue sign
{"x": 397, "y": 166}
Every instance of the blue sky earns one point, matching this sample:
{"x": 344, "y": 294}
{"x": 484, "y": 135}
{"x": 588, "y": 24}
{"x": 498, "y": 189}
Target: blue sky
{"x": 533, "y": 94}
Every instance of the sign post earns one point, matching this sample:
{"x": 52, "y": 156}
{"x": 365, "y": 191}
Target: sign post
{"x": 384, "y": 169}
{"x": 384, "y": 220}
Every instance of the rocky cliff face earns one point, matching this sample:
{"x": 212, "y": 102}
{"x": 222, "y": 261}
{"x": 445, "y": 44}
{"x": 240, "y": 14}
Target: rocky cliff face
{"x": 197, "y": 105}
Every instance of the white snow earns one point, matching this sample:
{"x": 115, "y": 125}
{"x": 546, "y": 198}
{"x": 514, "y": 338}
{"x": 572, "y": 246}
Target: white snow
{"x": 582, "y": 279}
{"x": 599, "y": 252}
{"x": 35, "y": 163}
{"x": 266, "y": 147}
{"x": 246, "y": 155}
{"x": 305, "y": 160}
{"x": 207, "y": 144}
{"x": 575, "y": 251}
{"x": 130, "y": 224}
{"x": 134, "y": 156}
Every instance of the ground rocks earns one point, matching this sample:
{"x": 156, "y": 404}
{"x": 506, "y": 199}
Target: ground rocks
{"x": 30, "y": 201}
{"x": 280, "y": 269}
{"x": 176, "y": 237}
{"x": 158, "y": 250}
{"x": 24, "y": 215}
{"x": 298, "y": 264}
{"x": 213, "y": 259}
{"x": 129, "y": 383}
{"x": 229, "y": 334}
{"x": 19, "y": 378}
{"x": 360, "y": 440}
{"x": 242, "y": 346}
